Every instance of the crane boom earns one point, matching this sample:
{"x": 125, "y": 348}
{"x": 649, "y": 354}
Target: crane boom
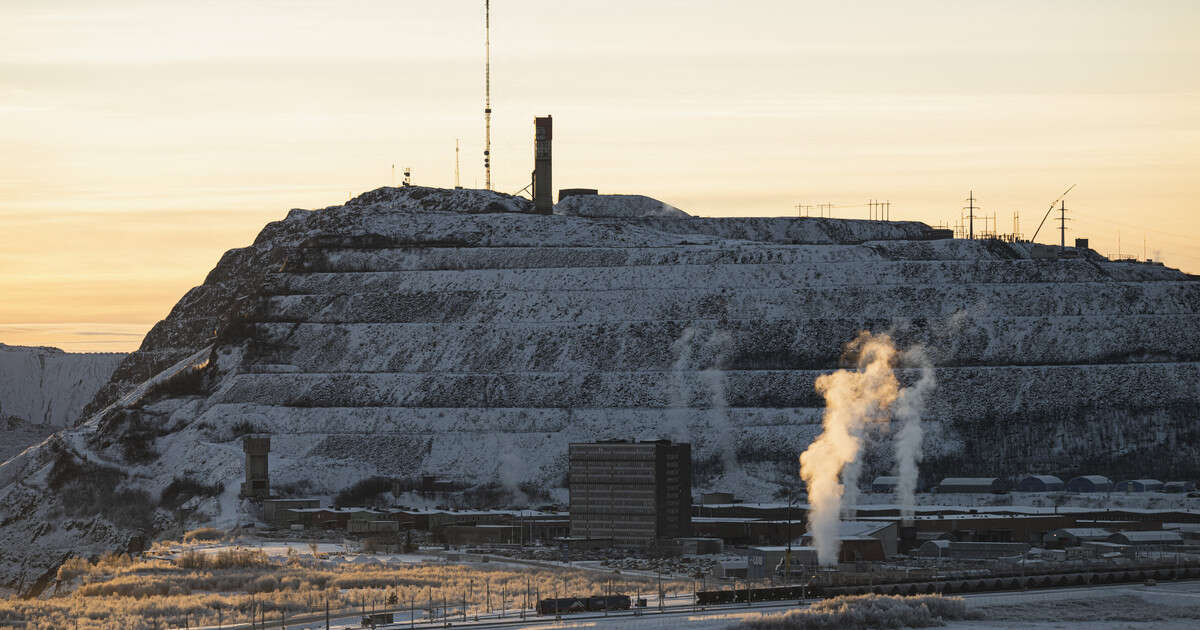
{"x": 1048, "y": 211}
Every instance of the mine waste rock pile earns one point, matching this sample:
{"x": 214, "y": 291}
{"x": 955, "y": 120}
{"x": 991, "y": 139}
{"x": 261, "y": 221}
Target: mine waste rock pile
{"x": 421, "y": 331}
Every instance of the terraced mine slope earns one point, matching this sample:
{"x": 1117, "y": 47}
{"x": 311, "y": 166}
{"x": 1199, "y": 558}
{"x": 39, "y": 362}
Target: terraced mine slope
{"x": 420, "y": 331}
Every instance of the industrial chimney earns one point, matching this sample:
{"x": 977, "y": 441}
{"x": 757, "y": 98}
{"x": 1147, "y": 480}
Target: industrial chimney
{"x": 543, "y": 181}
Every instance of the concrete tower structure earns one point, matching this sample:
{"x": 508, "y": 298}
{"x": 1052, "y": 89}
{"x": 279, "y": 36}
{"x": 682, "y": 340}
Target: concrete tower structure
{"x": 258, "y": 477}
{"x": 543, "y": 180}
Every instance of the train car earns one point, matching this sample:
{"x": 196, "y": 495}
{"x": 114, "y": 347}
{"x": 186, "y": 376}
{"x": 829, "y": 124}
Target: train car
{"x": 595, "y": 603}
{"x": 768, "y": 594}
{"x": 561, "y": 605}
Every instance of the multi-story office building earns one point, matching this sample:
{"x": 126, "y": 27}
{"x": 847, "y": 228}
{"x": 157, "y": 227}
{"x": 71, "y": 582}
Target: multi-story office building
{"x": 630, "y": 492}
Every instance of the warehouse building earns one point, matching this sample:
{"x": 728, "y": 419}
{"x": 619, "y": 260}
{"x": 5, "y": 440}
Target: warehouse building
{"x": 971, "y": 485}
{"x": 1139, "y": 485}
{"x": 1040, "y": 483}
{"x": 1075, "y": 536}
{"x": 1090, "y": 483}
{"x": 971, "y": 550}
{"x": 630, "y": 492}
{"x": 1159, "y": 539}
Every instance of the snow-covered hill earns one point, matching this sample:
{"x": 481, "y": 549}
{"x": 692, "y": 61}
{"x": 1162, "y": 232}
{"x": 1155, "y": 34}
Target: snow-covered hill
{"x": 419, "y": 330}
{"x": 48, "y": 386}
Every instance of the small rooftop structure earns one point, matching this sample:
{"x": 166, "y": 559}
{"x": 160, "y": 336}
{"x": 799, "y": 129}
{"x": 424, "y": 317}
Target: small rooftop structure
{"x": 1089, "y": 483}
{"x": 1040, "y": 483}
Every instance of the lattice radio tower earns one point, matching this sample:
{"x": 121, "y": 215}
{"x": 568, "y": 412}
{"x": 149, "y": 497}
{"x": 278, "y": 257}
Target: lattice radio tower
{"x": 971, "y": 208}
{"x": 487, "y": 94}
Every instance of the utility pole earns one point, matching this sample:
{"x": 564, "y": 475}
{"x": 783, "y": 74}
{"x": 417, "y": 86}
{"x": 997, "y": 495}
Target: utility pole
{"x": 971, "y": 208}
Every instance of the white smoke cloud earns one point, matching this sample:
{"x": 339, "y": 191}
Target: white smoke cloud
{"x": 855, "y": 401}
{"x": 908, "y": 438}
{"x": 717, "y": 348}
{"x": 703, "y": 353}
{"x": 510, "y": 472}
{"x": 679, "y": 415}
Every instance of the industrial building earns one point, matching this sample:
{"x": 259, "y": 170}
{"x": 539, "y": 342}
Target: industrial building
{"x": 1040, "y": 483}
{"x": 767, "y": 561}
{"x": 1139, "y": 485}
{"x": 972, "y": 485}
{"x": 1090, "y": 483}
{"x": 630, "y": 492}
{"x": 1075, "y": 536}
{"x": 1159, "y": 539}
{"x": 1178, "y": 486}
{"x": 275, "y": 511}
{"x": 970, "y": 550}
{"x": 865, "y": 540}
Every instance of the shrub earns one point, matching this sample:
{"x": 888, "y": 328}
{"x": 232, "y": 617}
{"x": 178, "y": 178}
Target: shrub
{"x": 190, "y": 381}
{"x": 73, "y": 567}
{"x": 867, "y": 612}
{"x": 182, "y": 489}
{"x": 244, "y": 427}
{"x": 203, "y": 534}
{"x": 363, "y": 492}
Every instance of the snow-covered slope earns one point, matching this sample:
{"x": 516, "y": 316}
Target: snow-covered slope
{"x": 48, "y": 386}
{"x": 418, "y": 331}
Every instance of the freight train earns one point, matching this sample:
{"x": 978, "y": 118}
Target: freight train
{"x": 595, "y": 603}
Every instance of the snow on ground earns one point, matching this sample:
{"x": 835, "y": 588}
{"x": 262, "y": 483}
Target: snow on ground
{"x": 48, "y": 386}
{"x": 1164, "y": 605}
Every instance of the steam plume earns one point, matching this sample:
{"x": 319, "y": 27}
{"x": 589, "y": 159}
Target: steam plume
{"x": 854, "y": 401}
{"x": 717, "y": 346}
{"x": 695, "y": 348}
{"x": 908, "y": 437}
{"x": 681, "y": 391}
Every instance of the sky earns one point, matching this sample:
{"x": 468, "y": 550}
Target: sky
{"x": 141, "y": 140}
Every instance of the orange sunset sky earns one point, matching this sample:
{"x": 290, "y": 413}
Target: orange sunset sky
{"x": 143, "y": 139}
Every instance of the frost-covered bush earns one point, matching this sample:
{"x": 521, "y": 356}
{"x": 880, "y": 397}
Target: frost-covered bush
{"x": 867, "y": 612}
{"x": 203, "y": 534}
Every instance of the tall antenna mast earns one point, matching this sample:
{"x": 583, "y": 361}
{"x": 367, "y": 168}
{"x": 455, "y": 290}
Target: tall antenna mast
{"x": 457, "y": 185}
{"x": 487, "y": 94}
